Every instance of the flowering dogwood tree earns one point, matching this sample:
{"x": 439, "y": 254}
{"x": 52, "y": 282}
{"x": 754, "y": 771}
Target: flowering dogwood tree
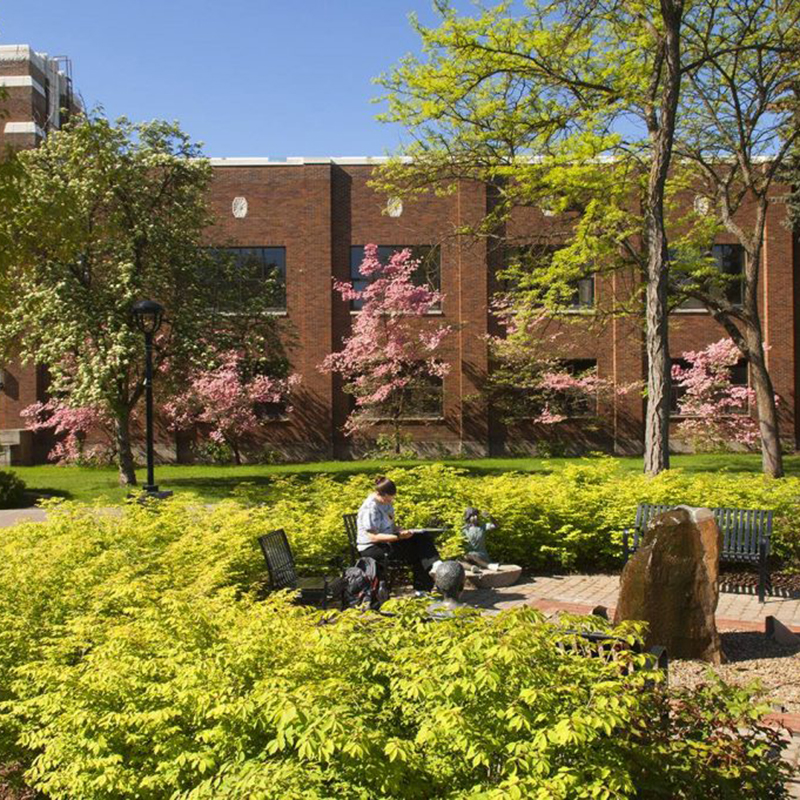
{"x": 528, "y": 381}
{"x": 72, "y": 426}
{"x": 390, "y": 354}
{"x": 716, "y": 410}
{"x": 227, "y": 398}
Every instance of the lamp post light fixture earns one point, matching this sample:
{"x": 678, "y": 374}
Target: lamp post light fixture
{"x": 147, "y": 314}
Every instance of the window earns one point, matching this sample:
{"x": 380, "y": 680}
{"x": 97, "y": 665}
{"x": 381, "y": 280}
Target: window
{"x": 577, "y": 402}
{"x": 245, "y": 275}
{"x": 730, "y": 258}
{"x": 427, "y": 274}
{"x": 739, "y": 376}
{"x": 584, "y": 293}
{"x": 423, "y": 399}
{"x": 525, "y": 258}
{"x": 730, "y": 262}
{"x": 569, "y": 402}
{"x": 676, "y": 390}
{"x": 276, "y": 366}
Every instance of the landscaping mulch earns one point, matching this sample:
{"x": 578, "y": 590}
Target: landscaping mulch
{"x": 751, "y": 655}
{"x": 784, "y": 584}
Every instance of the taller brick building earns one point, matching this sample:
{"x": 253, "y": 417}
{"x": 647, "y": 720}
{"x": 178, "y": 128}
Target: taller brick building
{"x": 308, "y": 219}
{"x": 39, "y": 99}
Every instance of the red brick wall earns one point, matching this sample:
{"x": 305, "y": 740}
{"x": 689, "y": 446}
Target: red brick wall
{"x": 317, "y": 211}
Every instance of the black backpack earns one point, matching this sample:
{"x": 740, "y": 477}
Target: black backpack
{"x": 362, "y": 586}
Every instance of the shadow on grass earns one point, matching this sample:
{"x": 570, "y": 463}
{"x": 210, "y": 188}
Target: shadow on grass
{"x": 33, "y": 496}
{"x": 222, "y": 483}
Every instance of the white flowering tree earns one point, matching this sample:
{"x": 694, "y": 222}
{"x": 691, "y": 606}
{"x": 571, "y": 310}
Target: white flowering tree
{"x": 99, "y": 216}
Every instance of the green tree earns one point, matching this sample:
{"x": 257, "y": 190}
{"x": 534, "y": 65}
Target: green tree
{"x": 572, "y": 106}
{"x": 101, "y": 215}
{"x": 737, "y": 127}
{"x": 530, "y": 105}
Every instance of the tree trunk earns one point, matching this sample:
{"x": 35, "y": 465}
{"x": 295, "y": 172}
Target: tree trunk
{"x": 656, "y": 436}
{"x": 127, "y": 473}
{"x": 661, "y": 128}
{"x": 771, "y": 455}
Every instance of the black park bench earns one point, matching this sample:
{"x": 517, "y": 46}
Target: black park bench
{"x": 746, "y": 537}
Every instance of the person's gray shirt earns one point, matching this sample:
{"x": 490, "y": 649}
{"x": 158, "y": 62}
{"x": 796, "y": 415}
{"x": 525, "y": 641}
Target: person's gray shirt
{"x": 376, "y": 517}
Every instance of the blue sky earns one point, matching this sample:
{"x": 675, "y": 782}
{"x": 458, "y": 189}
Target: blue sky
{"x": 272, "y": 78}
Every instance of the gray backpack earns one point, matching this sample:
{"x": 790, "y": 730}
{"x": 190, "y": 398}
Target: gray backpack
{"x": 362, "y": 587}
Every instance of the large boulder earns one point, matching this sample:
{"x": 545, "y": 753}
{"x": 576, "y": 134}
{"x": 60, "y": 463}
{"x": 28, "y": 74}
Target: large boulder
{"x": 671, "y": 583}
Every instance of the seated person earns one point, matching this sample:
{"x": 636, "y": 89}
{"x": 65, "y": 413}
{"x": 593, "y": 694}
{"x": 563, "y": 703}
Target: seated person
{"x": 379, "y": 537}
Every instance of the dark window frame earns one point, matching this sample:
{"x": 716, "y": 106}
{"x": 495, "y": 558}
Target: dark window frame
{"x": 280, "y": 266}
{"x": 437, "y": 414}
{"x": 585, "y": 286}
{"x": 359, "y": 282}
{"x": 734, "y": 291}
{"x": 571, "y": 408}
{"x": 742, "y": 367}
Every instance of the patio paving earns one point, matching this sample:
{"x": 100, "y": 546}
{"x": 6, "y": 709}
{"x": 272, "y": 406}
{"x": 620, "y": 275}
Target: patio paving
{"x": 581, "y": 593}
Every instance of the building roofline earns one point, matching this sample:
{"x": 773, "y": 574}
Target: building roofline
{"x": 299, "y": 161}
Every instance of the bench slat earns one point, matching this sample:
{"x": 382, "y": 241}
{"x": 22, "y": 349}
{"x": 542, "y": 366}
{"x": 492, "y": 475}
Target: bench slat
{"x": 745, "y": 535}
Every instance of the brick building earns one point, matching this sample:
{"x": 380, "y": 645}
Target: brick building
{"x": 39, "y": 97}
{"x": 308, "y": 219}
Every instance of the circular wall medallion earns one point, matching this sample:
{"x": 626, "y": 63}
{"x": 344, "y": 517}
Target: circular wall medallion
{"x": 239, "y": 207}
{"x": 702, "y": 204}
{"x": 394, "y": 206}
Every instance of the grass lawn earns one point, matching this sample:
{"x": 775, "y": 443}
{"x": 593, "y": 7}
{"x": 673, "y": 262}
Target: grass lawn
{"x": 214, "y": 483}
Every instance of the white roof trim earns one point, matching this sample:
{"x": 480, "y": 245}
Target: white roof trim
{"x": 22, "y": 52}
{"x": 299, "y": 161}
{"x": 23, "y": 127}
{"x": 15, "y": 81}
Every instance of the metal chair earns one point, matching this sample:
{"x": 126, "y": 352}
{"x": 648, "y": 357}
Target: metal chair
{"x": 396, "y": 570}
{"x": 283, "y": 572}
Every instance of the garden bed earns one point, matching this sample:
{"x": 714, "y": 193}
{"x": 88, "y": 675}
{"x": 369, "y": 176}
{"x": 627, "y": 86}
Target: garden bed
{"x": 751, "y": 656}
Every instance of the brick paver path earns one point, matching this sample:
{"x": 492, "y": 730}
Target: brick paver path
{"x": 581, "y": 593}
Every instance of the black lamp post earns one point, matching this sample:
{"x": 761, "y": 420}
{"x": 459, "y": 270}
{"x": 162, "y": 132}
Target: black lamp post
{"x": 147, "y": 315}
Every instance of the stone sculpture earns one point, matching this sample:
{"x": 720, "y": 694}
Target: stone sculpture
{"x": 476, "y": 526}
{"x": 483, "y": 572}
{"x": 671, "y": 583}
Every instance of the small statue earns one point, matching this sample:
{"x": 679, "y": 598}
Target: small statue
{"x": 449, "y": 583}
{"x": 476, "y": 526}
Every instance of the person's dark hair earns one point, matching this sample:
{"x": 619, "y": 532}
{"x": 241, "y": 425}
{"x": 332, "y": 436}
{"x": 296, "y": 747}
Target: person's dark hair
{"x": 385, "y": 486}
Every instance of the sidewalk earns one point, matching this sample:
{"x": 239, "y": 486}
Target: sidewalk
{"x": 11, "y": 516}
{"x": 579, "y": 594}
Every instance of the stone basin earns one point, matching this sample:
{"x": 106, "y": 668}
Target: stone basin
{"x": 506, "y": 575}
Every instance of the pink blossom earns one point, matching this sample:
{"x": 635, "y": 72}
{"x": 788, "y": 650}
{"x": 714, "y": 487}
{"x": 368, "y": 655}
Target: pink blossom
{"x": 391, "y": 347}
{"x": 716, "y": 411}
{"x": 223, "y": 400}
{"x": 72, "y": 426}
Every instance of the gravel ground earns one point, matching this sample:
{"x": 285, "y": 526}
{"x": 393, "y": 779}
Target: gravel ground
{"x": 751, "y": 655}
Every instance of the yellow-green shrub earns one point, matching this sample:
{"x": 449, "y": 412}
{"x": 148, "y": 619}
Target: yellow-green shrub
{"x": 136, "y": 661}
{"x": 573, "y": 517}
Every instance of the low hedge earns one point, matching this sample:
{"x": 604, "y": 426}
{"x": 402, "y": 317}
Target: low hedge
{"x": 139, "y": 660}
{"x": 12, "y": 490}
{"x": 572, "y": 518}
